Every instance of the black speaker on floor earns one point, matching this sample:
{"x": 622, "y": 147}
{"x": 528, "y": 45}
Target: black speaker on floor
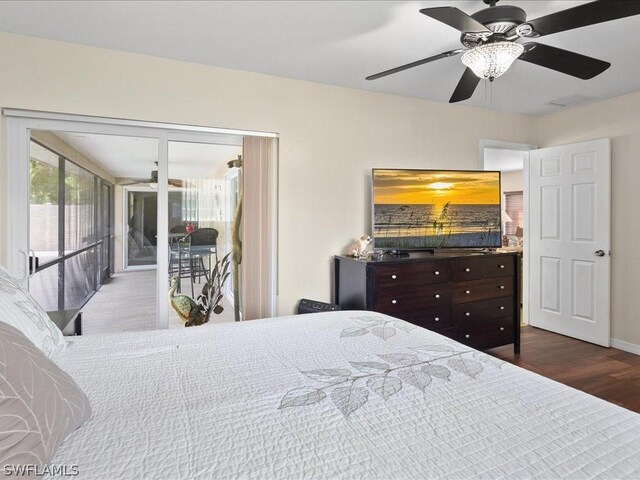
{"x": 313, "y": 306}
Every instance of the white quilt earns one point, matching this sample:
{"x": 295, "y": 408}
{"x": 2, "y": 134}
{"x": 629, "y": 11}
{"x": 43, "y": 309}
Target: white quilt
{"x": 333, "y": 395}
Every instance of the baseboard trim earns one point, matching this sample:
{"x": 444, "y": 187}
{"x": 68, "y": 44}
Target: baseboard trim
{"x": 626, "y": 346}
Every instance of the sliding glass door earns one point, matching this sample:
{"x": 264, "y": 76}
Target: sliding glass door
{"x": 71, "y": 219}
{"x": 200, "y": 224}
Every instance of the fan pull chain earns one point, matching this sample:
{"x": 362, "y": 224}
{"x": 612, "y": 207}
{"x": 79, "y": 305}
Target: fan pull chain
{"x": 488, "y": 85}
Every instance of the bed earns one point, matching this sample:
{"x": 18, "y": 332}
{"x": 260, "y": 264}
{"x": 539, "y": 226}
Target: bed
{"x": 330, "y": 395}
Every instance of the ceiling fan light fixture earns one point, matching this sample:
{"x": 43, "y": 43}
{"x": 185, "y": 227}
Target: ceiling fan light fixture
{"x": 491, "y": 60}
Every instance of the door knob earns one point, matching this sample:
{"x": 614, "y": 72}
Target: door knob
{"x": 599, "y": 253}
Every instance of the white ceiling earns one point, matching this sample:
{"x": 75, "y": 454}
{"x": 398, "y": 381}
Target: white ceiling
{"x": 134, "y": 157}
{"x": 335, "y": 42}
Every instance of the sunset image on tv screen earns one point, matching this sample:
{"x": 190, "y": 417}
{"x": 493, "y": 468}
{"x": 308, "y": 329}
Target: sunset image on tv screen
{"x": 415, "y": 209}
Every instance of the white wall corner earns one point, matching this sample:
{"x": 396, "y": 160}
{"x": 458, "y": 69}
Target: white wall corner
{"x": 626, "y": 346}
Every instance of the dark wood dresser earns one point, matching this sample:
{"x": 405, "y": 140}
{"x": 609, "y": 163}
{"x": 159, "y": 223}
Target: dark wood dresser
{"x": 473, "y": 298}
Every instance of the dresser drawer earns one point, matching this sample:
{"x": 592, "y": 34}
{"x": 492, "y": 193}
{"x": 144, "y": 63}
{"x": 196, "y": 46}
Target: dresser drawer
{"x": 489, "y": 334}
{"x": 471, "y": 268}
{"x": 474, "y": 290}
{"x": 403, "y": 301}
{"x": 403, "y": 275}
{"x": 433, "y": 318}
{"x": 465, "y": 314}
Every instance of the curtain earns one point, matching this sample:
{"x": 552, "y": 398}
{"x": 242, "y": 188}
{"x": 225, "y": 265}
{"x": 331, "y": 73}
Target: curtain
{"x": 514, "y": 203}
{"x": 259, "y": 229}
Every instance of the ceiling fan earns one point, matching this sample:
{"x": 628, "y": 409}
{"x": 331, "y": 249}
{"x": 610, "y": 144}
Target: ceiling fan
{"x": 491, "y": 36}
{"x": 174, "y": 182}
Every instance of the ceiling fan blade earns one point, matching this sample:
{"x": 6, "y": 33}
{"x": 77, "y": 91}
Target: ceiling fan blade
{"x": 466, "y": 86}
{"x": 175, "y": 183}
{"x": 414, "y": 64}
{"x": 584, "y": 15}
{"x": 455, "y": 18}
{"x": 123, "y": 182}
{"x": 563, "y": 61}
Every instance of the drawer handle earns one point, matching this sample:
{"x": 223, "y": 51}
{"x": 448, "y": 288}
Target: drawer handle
{"x": 394, "y": 301}
{"x": 467, "y": 292}
{"x": 467, "y": 269}
{"x": 501, "y": 307}
{"x": 501, "y": 287}
{"x": 394, "y": 277}
{"x": 502, "y": 329}
{"x": 437, "y": 295}
{"x": 468, "y": 314}
{"x": 436, "y": 272}
{"x": 437, "y": 319}
{"x": 467, "y": 336}
{"x": 501, "y": 266}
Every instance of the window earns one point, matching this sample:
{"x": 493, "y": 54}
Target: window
{"x": 514, "y": 206}
{"x": 68, "y": 230}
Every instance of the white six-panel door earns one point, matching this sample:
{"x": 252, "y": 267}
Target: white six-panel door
{"x": 570, "y": 240}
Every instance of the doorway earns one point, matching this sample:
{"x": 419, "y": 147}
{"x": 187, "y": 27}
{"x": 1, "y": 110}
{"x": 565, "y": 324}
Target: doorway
{"x": 183, "y": 206}
{"x": 511, "y": 160}
{"x": 566, "y": 221}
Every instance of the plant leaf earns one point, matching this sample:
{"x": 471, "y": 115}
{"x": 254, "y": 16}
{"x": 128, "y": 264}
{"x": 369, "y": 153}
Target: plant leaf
{"x": 349, "y": 399}
{"x": 354, "y": 332}
{"x": 299, "y": 397}
{"x": 328, "y": 375}
{"x": 400, "y": 358}
{"x": 370, "y": 367}
{"x": 438, "y": 371}
{"x": 415, "y": 378}
{"x": 384, "y": 332}
{"x": 467, "y": 367}
{"x": 384, "y": 385}
{"x": 488, "y": 359}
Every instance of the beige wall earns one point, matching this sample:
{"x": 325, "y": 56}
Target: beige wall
{"x": 511, "y": 181}
{"x": 618, "y": 118}
{"x": 330, "y": 137}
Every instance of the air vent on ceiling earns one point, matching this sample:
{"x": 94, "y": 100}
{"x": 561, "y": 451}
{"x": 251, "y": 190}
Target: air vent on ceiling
{"x": 570, "y": 101}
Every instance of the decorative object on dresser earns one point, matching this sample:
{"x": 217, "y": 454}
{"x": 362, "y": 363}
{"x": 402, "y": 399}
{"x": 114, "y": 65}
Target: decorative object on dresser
{"x": 470, "y": 297}
{"x": 359, "y": 248}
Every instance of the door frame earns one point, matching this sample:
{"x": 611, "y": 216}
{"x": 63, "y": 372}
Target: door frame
{"x": 125, "y": 224}
{"x": 526, "y": 148}
{"x": 20, "y": 122}
{"x": 229, "y": 177}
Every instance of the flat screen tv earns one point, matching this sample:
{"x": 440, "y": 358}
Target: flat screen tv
{"x": 426, "y": 209}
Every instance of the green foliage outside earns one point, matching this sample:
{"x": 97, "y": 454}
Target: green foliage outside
{"x": 44, "y": 186}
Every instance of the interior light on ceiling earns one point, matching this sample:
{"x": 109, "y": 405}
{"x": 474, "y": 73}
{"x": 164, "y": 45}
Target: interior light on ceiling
{"x": 491, "y": 60}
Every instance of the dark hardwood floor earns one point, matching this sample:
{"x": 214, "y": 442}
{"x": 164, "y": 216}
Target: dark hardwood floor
{"x": 607, "y": 373}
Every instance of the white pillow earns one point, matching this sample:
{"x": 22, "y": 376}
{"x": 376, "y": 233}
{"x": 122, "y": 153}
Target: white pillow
{"x": 20, "y": 310}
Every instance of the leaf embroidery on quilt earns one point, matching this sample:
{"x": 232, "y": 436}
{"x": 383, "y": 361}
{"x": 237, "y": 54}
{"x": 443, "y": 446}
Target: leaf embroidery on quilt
{"x": 302, "y": 396}
{"x": 349, "y": 399}
{"x": 349, "y": 388}
{"x": 384, "y": 385}
{"x": 416, "y": 378}
{"x": 471, "y": 368}
{"x": 383, "y": 328}
{"x": 330, "y": 375}
{"x": 488, "y": 359}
